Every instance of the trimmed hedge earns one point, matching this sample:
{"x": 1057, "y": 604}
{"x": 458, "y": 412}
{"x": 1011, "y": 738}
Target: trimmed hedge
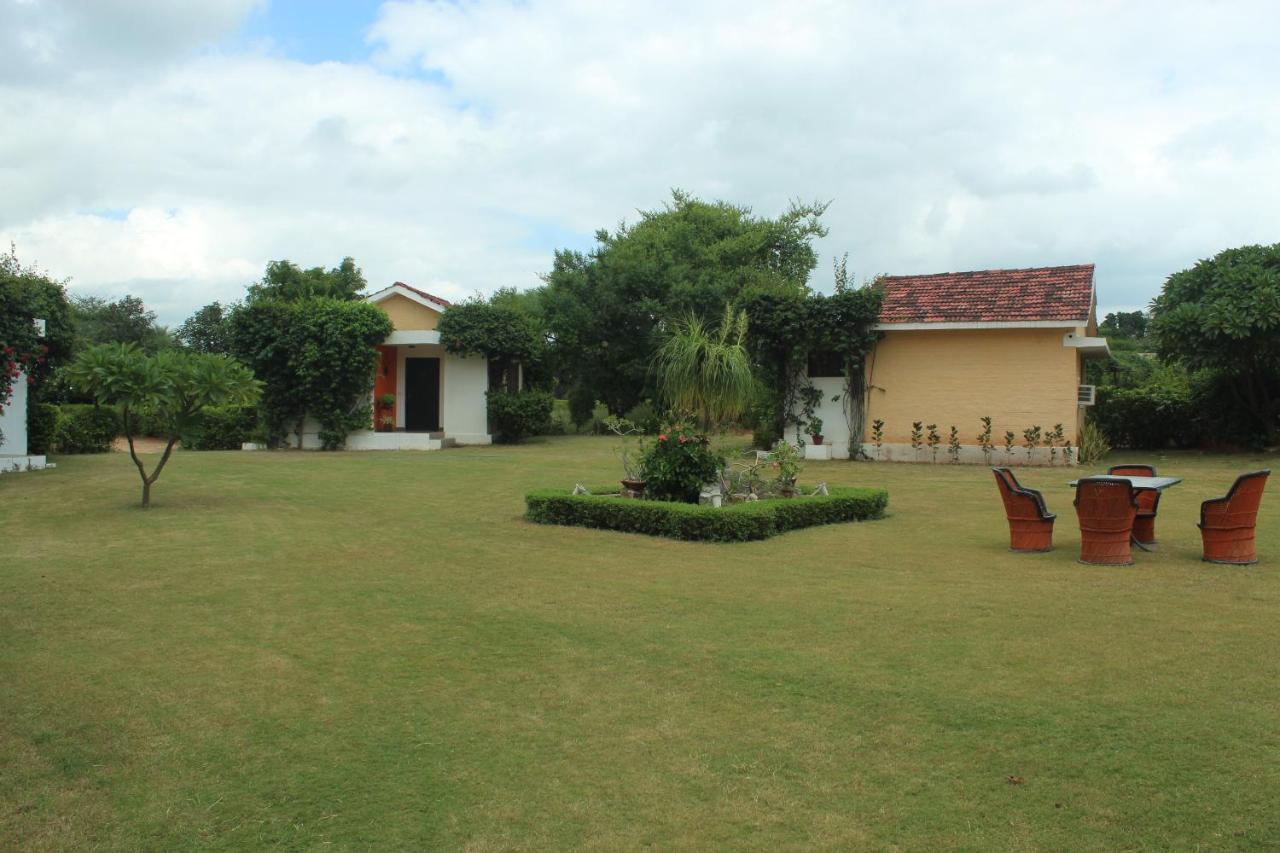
{"x": 220, "y": 428}
{"x": 741, "y": 522}
{"x": 87, "y": 428}
{"x": 42, "y": 428}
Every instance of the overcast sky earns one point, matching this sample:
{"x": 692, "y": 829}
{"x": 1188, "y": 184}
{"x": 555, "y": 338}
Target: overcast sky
{"x": 169, "y": 148}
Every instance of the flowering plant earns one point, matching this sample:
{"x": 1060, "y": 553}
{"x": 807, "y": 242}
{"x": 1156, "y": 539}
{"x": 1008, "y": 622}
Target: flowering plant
{"x": 785, "y": 459}
{"x": 14, "y": 363}
{"x": 679, "y": 463}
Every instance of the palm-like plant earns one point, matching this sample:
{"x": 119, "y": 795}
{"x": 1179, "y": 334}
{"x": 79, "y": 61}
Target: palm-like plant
{"x": 705, "y": 373}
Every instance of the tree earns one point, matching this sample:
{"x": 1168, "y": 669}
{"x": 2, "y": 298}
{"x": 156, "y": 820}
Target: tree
{"x": 315, "y": 357}
{"x": 705, "y": 373}
{"x": 503, "y": 334}
{"x": 606, "y": 310}
{"x": 173, "y": 388}
{"x": 1222, "y": 316}
{"x": 285, "y": 280}
{"x": 125, "y": 321}
{"x": 1131, "y": 325}
{"x": 206, "y": 330}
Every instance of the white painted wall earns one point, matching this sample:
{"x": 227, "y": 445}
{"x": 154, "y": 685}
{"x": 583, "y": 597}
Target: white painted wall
{"x": 465, "y": 413}
{"x": 13, "y": 420}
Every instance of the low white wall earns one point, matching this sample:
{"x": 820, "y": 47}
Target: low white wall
{"x": 969, "y": 455}
{"x": 13, "y": 419}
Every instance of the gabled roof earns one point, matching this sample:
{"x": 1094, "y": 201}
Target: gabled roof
{"x": 420, "y": 296}
{"x": 1039, "y": 295}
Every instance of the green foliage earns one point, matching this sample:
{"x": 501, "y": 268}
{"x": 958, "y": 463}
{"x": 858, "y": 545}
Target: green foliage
{"x": 917, "y": 437}
{"x": 124, "y": 321}
{"x": 207, "y": 330}
{"x": 499, "y": 333}
{"x": 515, "y": 415}
{"x": 934, "y": 440}
{"x": 174, "y": 386}
{"x": 740, "y": 522}
{"x": 1093, "y": 444}
{"x": 1223, "y": 316}
{"x": 785, "y": 459}
{"x": 605, "y": 309}
{"x": 1131, "y": 325}
{"x": 582, "y": 404}
{"x": 678, "y": 464}
{"x": 705, "y": 374}
{"x": 285, "y": 281}
{"x": 315, "y": 357}
{"x": 42, "y": 427}
{"x": 877, "y": 435}
{"x": 953, "y": 444}
{"x": 27, "y": 294}
{"x": 1031, "y": 440}
{"x": 1009, "y": 439}
{"x": 645, "y": 417}
{"x": 86, "y": 428}
{"x": 1157, "y": 415}
{"x": 221, "y": 428}
{"x": 984, "y": 438}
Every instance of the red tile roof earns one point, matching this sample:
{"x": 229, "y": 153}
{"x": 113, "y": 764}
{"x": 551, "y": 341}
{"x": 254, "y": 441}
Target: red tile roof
{"x": 1041, "y": 293}
{"x": 443, "y": 303}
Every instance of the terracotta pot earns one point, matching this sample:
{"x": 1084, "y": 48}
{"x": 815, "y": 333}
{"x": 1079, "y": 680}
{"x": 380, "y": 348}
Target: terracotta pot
{"x": 788, "y": 491}
{"x": 817, "y": 440}
{"x": 634, "y": 486}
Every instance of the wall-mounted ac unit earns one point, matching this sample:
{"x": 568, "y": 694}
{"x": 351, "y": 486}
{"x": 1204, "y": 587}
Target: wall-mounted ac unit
{"x": 1085, "y": 394}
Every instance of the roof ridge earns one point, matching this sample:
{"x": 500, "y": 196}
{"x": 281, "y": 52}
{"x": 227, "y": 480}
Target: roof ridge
{"x": 995, "y": 270}
{"x": 439, "y": 300}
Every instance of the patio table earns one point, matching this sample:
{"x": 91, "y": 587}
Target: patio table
{"x": 1157, "y": 483}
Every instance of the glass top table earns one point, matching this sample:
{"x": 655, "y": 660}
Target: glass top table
{"x": 1157, "y": 483}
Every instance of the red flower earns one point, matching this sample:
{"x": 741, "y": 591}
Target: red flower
{"x": 683, "y": 439}
{"x": 662, "y": 437}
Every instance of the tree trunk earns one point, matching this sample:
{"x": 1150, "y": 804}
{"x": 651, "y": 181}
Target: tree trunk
{"x": 146, "y": 493}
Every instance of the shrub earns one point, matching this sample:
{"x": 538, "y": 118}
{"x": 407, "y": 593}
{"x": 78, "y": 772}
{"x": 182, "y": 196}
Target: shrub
{"x": 740, "y": 522}
{"x": 582, "y": 406}
{"x": 1154, "y": 416}
{"x": 87, "y": 429}
{"x": 221, "y": 429}
{"x": 678, "y": 464}
{"x": 42, "y": 428}
{"x": 645, "y": 417}
{"x": 514, "y": 415}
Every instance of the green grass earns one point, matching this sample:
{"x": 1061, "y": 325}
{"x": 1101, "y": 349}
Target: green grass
{"x": 377, "y": 651}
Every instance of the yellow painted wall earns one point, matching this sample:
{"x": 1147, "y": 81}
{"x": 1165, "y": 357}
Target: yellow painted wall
{"x": 407, "y": 315}
{"x": 1020, "y": 377}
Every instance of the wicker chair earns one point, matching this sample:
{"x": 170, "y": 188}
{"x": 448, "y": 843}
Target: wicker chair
{"x": 1030, "y": 522}
{"x": 1106, "y": 510}
{"x": 1144, "y": 526}
{"x": 1227, "y": 523}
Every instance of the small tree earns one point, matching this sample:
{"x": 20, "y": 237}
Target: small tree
{"x": 984, "y": 439}
{"x": 953, "y": 444}
{"x": 706, "y": 374}
{"x": 917, "y": 437}
{"x": 877, "y": 435}
{"x": 1031, "y": 440}
{"x": 171, "y": 388}
{"x": 934, "y": 440}
{"x": 1009, "y": 439}
{"x": 1052, "y": 439}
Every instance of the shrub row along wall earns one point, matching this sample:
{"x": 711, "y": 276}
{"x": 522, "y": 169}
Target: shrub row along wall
{"x": 739, "y": 522}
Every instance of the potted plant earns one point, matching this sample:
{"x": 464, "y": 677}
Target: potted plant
{"x": 815, "y": 430}
{"x": 386, "y": 423}
{"x": 630, "y": 454}
{"x": 387, "y": 401}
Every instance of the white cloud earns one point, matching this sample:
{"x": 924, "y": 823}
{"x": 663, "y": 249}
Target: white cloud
{"x": 485, "y": 134}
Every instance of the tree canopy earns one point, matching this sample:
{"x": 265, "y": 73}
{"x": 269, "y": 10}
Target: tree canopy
{"x": 127, "y": 320}
{"x": 500, "y": 332}
{"x": 606, "y": 310}
{"x": 27, "y": 294}
{"x": 172, "y": 388}
{"x": 1223, "y": 316}
{"x": 206, "y": 330}
{"x": 287, "y": 281}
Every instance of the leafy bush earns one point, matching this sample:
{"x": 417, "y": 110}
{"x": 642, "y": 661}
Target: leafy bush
{"x": 1154, "y": 416}
{"x": 582, "y": 405}
{"x": 515, "y": 415}
{"x": 678, "y": 464}
{"x": 1093, "y": 444}
{"x": 645, "y": 417}
{"x": 221, "y": 429}
{"x": 739, "y": 522}
{"x": 87, "y": 429}
{"x": 42, "y": 428}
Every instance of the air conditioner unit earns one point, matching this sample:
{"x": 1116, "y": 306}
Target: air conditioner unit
{"x": 1085, "y": 394}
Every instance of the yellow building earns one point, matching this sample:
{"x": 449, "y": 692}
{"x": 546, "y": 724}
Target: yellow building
{"x": 957, "y": 347}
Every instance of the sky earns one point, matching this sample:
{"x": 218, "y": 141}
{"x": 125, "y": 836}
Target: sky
{"x": 170, "y": 149}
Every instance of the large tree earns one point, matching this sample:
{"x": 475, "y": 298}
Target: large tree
{"x": 1222, "y": 316}
{"x": 127, "y": 320}
{"x": 494, "y": 329}
{"x": 290, "y": 282}
{"x": 606, "y": 310}
{"x": 206, "y": 330}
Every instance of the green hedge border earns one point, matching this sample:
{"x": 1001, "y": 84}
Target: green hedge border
{"x": 741, "y": 522}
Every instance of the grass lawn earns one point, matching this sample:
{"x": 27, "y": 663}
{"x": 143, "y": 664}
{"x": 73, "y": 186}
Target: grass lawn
{"x": 376, "y": 651}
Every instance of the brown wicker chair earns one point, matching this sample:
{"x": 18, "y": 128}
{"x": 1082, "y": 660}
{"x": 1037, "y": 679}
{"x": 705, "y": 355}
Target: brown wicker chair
{"x": 1227, "y": 523}
{"x": 1144, "y": 526}
{"x": 1030, "y": 522}
{"x": 1106, "y": 510}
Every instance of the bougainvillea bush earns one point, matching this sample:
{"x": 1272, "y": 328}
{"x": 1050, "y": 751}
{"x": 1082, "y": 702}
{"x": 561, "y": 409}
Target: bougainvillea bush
{"x": 678, "y": 464}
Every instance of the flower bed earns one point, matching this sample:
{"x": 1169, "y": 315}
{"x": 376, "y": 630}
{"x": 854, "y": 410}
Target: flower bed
{"x": 740, "y": 522}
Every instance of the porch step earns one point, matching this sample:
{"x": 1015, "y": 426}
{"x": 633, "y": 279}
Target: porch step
{"x": 448, "y": 442}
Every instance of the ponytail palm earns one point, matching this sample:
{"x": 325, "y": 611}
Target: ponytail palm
{"x": 705, "y": 373}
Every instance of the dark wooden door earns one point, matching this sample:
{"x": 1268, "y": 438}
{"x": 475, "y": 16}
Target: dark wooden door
{"x": 422, "y": 394}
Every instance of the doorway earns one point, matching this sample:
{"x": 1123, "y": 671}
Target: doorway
{"x": 422, "y": 394}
